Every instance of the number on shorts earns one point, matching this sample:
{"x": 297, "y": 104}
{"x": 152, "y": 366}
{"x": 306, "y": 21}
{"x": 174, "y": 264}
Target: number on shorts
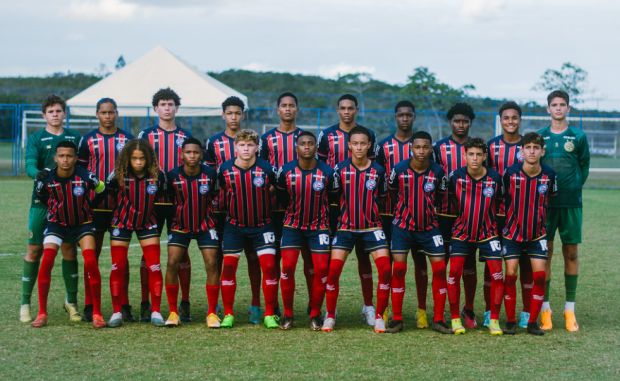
{"x": 213, "y": 234}
{"x": 543, "y": 244}
{"x": 379, "y": 235}
{"x": 437, "y": 240}
{"x": 269, "y": 237}
{"x": 323, "y": 239}
{"x": 495, "y": 245}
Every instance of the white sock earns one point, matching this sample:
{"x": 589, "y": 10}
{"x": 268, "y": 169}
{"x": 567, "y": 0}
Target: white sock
{"x": 569, "y": 306}
{"x": 545, "y": 306}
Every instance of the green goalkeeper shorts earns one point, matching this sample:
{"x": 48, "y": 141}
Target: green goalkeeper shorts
{"x": 37, "y": 219}
{"x": 568, "y": 222}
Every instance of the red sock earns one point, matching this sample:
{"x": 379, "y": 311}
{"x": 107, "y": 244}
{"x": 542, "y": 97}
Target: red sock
{"x": 213, "y": 291}
{"x": 510, "y": 298}
{"x": 384, "y": 270}
{"x": 308, "y": 271}
{"x": 117, "y": 275}
{"x": 287, "y": 279}
{"x": 228, "y": 282}
{"x": 94, "y": 279}
{"x": 364, "y": 269}
{"x": 270, "y": 282}
{"x": 332, "y": 287}
{"x": 398, "y": 289}
{"x": 151, "y": 255}
{"x": 497, "y": 286}
{"x": 185, "y": 276}
{"x": 454, "y": 284}
{"x": 538, "y": 295}
{"x": 525, "y": 270}
{"x": 255, "y": 277}
{"x": 144, "y": 280}
{"x": 470, "y": 281}
{"x": 439, "y": 289}
{"x": 487, "y": 288}
{"x": 125, "y": 289}
{"x": 320, "y": 263}
{"x": 421, "y": 278}
{"x": 172, "y": 293}
{"x": 44, "y": 279}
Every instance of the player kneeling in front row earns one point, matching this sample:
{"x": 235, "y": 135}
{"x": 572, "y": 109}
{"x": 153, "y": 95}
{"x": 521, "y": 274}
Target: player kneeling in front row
{"x": 476, "y": 191}
{"x": 360, "y": 182}
{"x": 416, "y": 185}
{"x": 136, "y": 183}
{"x": 65, "y": 190}
{"x": 527, "y": 189}
{"x": 191, "y": 188}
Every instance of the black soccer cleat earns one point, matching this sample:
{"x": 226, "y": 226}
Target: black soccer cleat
{"x": 88, "y": 313}
{"x": 511, "y": 328}
{"x": 145, "y": 312}
{"x": 441, "y": 327}
{"x": 286, "y": 323}
{"x": 395, "y": 326}
{"x": 184, "y": 312}
{"x": 534, "y": 329}
{"x": 127, "y": 315}
{"x": 316, "y": 323}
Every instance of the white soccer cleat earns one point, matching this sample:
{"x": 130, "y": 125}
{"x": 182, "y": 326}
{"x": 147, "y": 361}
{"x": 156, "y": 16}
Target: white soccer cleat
{"x": 379, "y": 325}
{"x": 116, "y": 320}
{"x": 368, "y": 313}
{"x": 328, "y": 325}
{"x": 24, "y": 313}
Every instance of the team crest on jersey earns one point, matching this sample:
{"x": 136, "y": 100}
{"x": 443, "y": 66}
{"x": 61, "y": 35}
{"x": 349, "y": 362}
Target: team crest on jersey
{"x": 429, "y": 187}
{"x": 258, "y": 181}
{"x": 151, "y": 189}
{"x": 116, "y": 232}
{"x": 520, "y": 155}
{"x": 78, "y": 191}
{"x": 318, "y": 186}
{"x": 180, "y": 141}
{"x": 542, "y": 188}
{"x": 371, "y": 184}
{"x": 488, "y": 192}
{"x": 569, "y": 146}
{"x": 120, "y": 145}
{"x": 203, "y": 189}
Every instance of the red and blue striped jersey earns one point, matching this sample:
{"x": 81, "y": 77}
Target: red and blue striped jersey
{"x": 476, "y": 201}
{"x": 527, "y": 199}
{"x": 68, "y": 199}
{"x": 247, "y": 193}
{"x": 135, "y": 200}
{"x": 416, "y": 195}
{"x": 501, "y": 156}
{"x": 334, "y": 145}
{"x": 218, "y": 149}
{"x": 167, "y": 145}
{"x": 306, "y": 193}
{"x": 191, "y": 196}
{"x": 450, "y": 155}
{"x": 97, "y": 152}
{"x": 359, "y": 192}
{"x": 390, "y": 152}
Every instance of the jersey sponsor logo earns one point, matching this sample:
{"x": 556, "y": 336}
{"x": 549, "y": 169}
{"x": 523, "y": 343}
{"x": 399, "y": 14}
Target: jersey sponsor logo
{"x": 429, "y": 187}
{"x": 371, "y": 184}
{"x": 569, "y": 146}
{"x": 318, "y": 186}
{"x": 258, "y": 181}
{"x": 542, "y": 188}
{"x": 151, "y": 189}
{"x": 78, "y": 191}
{"x": 488, "y": 192}
{"x": 203, "y": 189}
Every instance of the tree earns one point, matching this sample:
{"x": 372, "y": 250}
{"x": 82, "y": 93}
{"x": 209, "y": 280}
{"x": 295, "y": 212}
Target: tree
{"x": 120, "y": 63}
{"x": 570, "y": 78}
{"x": 357, "y": 83}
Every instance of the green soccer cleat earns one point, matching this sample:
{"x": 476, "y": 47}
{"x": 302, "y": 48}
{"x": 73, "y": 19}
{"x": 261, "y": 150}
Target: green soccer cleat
{"x": 228, "y": 321}
{"x": 271, "y": 321}
{"x": 494, "y": 328}
{"x": 457, "y": 327}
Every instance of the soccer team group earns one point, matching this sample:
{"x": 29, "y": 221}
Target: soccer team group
{"x": 290, "y": 192}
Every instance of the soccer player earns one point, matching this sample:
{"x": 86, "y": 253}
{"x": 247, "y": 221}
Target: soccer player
{"x": 97, "y": 152}
{"x": 391, "y": 151}
{"x": 191, "y": 187}
{"x": 450, "y": 155}
{"x": 220, "y": 148}
{"x": 248, "y": 182}
{"x": 528, "y": 187}
{"x": 360, "y": 183}
{"x": 568, "y": 154}
{"x": 167, "y": 138}
{"x": 305, "y": 184}
{"x": 333, "y": 149}
{"x": 475, "y": 190}
{"x": 136, "y": 184}
{"x": 416, "y": 185}
{"x": 40, "y": 152}
{"x": 66, "y": 190}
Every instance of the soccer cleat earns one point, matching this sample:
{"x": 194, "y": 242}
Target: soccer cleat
{"x": 145, "y": 312}
{"x": 184, "y": 312}
{"x": 98, "y": 321}
{"x": 24, "y": 313}
{"x": 470, "y": 318}
{"x": 546, "y": 323}
{"x": 116, "y": 320}
{"x": 228, "y": 321}
{"x": 74, "y": 315}
{"x": 486, "y": 319}
{"x": 157, "y": 320}
{"x": 441, "y": 327}
{"x": 286, "y": 323}
{"x": 173, "y": 320}
{"x": 88, "y": 313}
{"x": 534, "y": 329}
{"x": 127, "y": 315}
{"x": 316, "y": 323}
{"x": 457, "y": 327}
{"x": 511, "y": 328}
{"x": 40, "y": 321}
{"x": 328, "y": 325}
{"x": 271, "y": 321}
{"x": 368, "y": 314}
{"x": 494, "y": 328}
{"x": 421, "y": 319}
{"x": 379, "y": 325}
{"x": 395, "y": 326}
{"x": 571, "y": 321}
{"x": 524, "y": 318}
{"x": 256, "y": 314}
{"x": 213, "y": 321}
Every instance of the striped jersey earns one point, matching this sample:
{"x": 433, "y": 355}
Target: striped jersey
{"x": 389, "y": 152}
{"x": 501, "y": 156}
{"x": 334, "y": 145}
{"x": 218, "y": 149}
{"x": 167, "y": 145}
{"x": 450, "y": 155}
{"x": 306, "y": 192}
{"x": 527, "y": 199}
{"x": 476, "y": 202}
{"x": 135, "y": 200}
{"x": 415, "y": 195}
{"x": 359, "y": 192}
{"x": 191, "y": 197}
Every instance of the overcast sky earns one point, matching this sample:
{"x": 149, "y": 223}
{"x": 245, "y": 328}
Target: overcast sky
{"x": 500, "y": 46}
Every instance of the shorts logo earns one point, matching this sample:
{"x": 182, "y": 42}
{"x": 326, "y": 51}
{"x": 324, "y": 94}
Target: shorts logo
{"x": 542, "y": 188}
{"x": 116, "y": 232}
{"x": 569, "y": 146}
{"x": 318, "y": 186}
{"x": 429, "y": 187}
{"x": 203, "y": 189}
{"x": 151, "y": 189}
{"x": 120, "y": 145}
{"x": 78, "y": 191}
{"x": 488, "y": 192}
{"x": 371, "y": 184}
{"x": 180, "y": 141}
{"x": 258, "y": 182}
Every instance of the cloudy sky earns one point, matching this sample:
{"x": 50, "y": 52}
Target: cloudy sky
{"x": 500, "y": 46}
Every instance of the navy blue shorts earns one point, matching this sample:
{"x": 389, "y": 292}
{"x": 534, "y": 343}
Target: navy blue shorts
{"x": 69, "y": 234}
{"x": 429, "y": 242}
{"x": 489, "y": 249}
{"x": 445, "y": 227}
{"x": 261, "y": 238}
{"x": 372, "y": 240}
{"x": 205, "y": 240}
{"x": 386, "y": 221}
{"x": 316, "y": 240}
{"x": 102, "y": 220}
{"x": 535, "y": 249}
{"x": 120, "y": 234}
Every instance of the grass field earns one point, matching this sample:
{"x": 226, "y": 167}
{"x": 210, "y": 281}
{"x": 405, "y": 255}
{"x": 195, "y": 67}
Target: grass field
{"x": 353, "y": 351}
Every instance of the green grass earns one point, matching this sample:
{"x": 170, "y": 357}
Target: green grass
{"x": 353, "y": 351}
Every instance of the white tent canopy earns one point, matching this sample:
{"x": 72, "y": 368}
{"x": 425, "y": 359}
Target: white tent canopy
{"x": 133, "y": 86}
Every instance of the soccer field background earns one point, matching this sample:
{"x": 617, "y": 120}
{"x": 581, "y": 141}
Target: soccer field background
{"x": 139, "y": 351}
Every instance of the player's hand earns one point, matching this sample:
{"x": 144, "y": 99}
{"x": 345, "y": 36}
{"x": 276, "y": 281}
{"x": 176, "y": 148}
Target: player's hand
{"x": 42, "y": 174}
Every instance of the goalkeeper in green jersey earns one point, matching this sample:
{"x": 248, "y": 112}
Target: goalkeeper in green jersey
{"x": 568, "y": 154}
{"x": 40, "y": 158}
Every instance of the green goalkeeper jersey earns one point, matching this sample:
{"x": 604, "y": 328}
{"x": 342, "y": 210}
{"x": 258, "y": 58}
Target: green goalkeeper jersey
{"x": 568, "y": 154}
{"x": 40, "y": 152}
